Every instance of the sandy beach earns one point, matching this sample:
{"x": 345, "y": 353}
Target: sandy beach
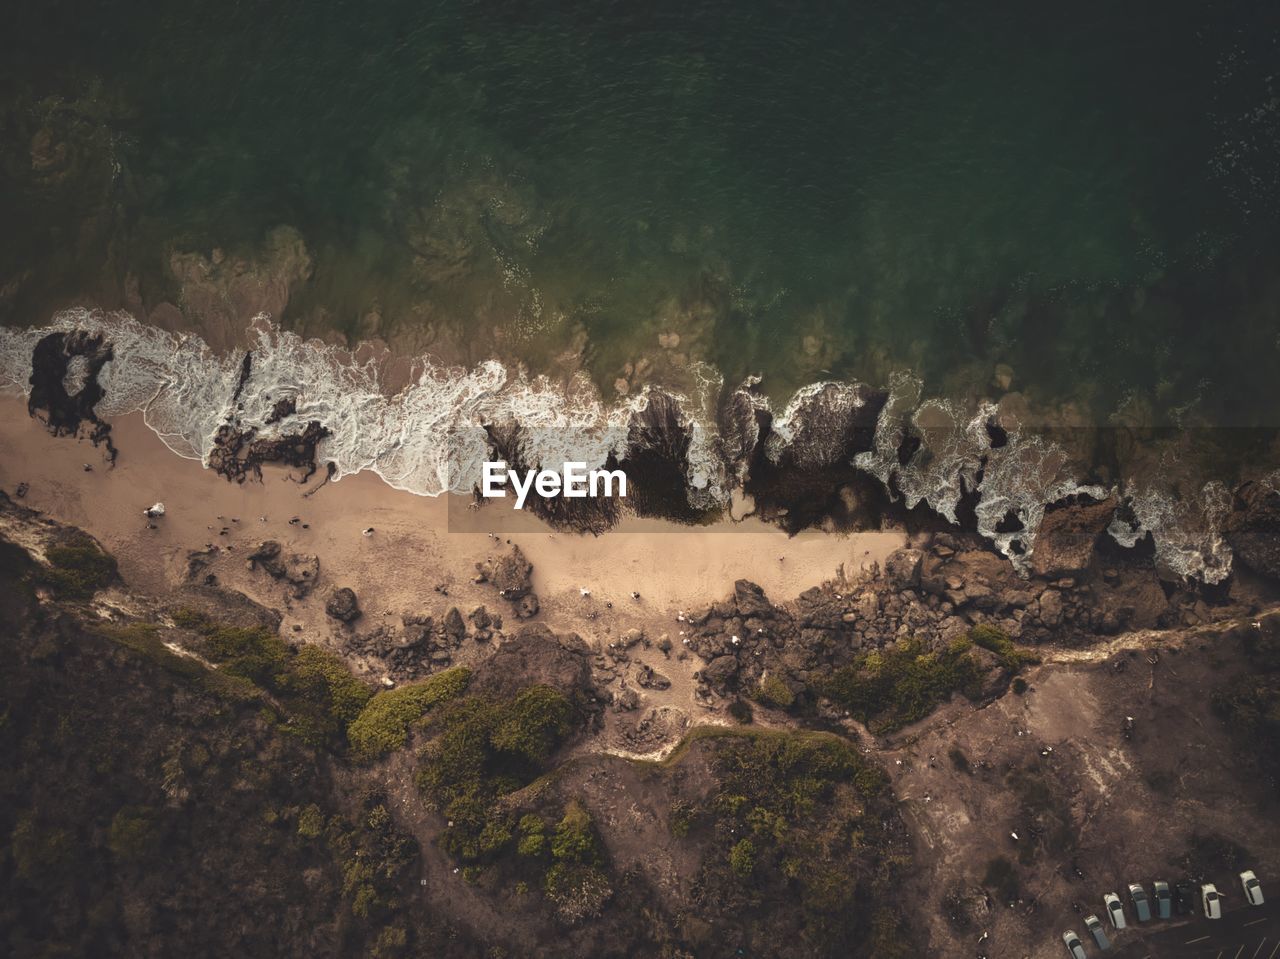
{"x": 419, "y": 545}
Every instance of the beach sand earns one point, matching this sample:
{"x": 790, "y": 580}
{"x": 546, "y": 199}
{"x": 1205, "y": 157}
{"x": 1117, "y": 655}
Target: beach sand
{"x": 422, "y": 555}
{"x": 418, "y": 541}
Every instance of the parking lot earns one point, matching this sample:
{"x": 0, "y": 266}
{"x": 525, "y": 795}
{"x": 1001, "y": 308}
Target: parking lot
{"x": 1243, "y": 933}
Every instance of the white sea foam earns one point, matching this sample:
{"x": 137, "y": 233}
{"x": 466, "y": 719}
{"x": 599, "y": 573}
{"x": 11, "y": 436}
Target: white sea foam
{"x": 430, "y": 437}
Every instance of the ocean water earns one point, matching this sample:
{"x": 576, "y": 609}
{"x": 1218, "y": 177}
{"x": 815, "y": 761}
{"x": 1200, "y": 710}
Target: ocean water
{"x": 812, "y": 195}
{"x": 1087, "y": 192}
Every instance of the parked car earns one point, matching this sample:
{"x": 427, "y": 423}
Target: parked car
{"x": 1074, "y": 945}
{"x": 1252, "y": 888}
{"x": 1184, "y": 898}
{"x": 1211, "y": 900}
{"x": 1094, "y": 925}
{"x": 1115, "y": 911}
{"x": 1141, "y": 905}
{"x": 1164, "y": 902}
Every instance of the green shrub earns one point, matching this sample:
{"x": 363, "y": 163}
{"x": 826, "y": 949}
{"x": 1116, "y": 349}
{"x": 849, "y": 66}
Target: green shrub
{"x": 382, "y": 726}
{"x": 575, "y": 839}
{"x": 132, "y": 834}
{"x": 323, "y": 694}
{"x": 740, "y": 710}
{"x": 533, "y": 839}
{"x": 577, "y": 890}
{"x": 314, "y": 686}
{"x": 742, "y": 858}
{"x": 39, "y": 853}
{"x": 534, "y": 724}
{"x": 681, "y": 820}
{"x": 310, "y": 822}
{"x": 78, "y": 570}
{"x": 481, "y": 750}
{"x": 774, "y": 691}
{"x": 890, "y": 688}
{"x": 997, "y": 641}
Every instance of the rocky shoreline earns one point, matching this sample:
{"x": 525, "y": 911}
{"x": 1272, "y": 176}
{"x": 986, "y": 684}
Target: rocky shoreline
{"x": 839, "y": 457}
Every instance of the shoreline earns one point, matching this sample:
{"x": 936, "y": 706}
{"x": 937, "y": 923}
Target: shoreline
{"x": 674, "y": 567}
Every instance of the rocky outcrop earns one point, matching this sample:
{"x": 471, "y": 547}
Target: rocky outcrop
{"x": 512, "y": 576}
{"x": 299, "y": 571}
{"x": 64, "y": 386}
{"x": 343, "y": 606}
{"x": 239, "y": 453}
{"x": 537, "y": 656}
{"x": 1253, "y": 529}
{"x": 902, "y": 568}
{"x": 1065, "y": 542}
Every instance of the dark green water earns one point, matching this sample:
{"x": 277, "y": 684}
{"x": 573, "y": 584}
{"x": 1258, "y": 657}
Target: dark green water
{"x": 1086, "y": 191}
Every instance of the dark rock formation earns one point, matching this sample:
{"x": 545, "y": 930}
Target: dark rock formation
{"x": 510, "y": 575}
{"x": 343, "y": 605}
{"x": 527, "y": 606}
{"x": 454, "y": 627}
{"x": 239, "y": 453}
{"x": 65, "y": 414}
{"x": 1068, "y": 534}
{"x": 300, "y": 571}
{"x": 1253, "y": 529}
{"x": 648, "y": 678}
{"x": 536, "y": 655}
{"x": 902, "y": 568}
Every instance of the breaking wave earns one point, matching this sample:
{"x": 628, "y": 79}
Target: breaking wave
{"x": 432, "y": 435}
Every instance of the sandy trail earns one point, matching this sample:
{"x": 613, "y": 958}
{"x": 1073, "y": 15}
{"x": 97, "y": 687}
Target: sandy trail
{"x": 419, "y": 542}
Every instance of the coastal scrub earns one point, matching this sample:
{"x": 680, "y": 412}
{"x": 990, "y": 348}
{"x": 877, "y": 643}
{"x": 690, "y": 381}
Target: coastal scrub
{"x": 382, "y": 726}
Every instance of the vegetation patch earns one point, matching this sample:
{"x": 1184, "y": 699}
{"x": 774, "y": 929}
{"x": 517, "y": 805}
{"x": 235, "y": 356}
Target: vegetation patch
{"x": 481, "y": 750}
{"x": 891, "y": 688}
{"x": 319, "y": 695}
{"x": 1009, "y": 654}
{"x": 804, "y": 818}
{"x": 1250, "y": 707}
{"x": 774, "y": 691}
{"x": 383, "y": 724}
{"x": 576, "y": 885}
{"x": 78, "y": 569}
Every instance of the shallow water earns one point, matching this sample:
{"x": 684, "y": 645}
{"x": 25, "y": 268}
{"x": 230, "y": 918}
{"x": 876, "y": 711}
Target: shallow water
{"x": 1086, "y": 192}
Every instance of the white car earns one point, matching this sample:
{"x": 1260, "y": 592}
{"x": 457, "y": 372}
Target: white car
{"x": 1115, "y": 910}
{"x": 1211, "y": 900}
{"x": 1252, "y": 888}
{"x": 1074, "y": 945}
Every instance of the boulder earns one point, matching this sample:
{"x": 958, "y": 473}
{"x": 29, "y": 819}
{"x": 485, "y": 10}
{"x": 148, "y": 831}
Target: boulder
{"x": 720, "y": 671}
{"x": 902, "y": 568}
{"x": 342, "y": 605}
{"x": 1065, "y": 541}
{"x": 537, "y": 656}
{"x": 1051, "y": 607}
{"x": 749, "y": 600}
{"x": 454, "y": 628}
{"x": 648, "y": 678}
{"x": 1253, "y": 529}
{"x": 300, "y": 570}
{"x": 527, "y": 606}
{"x": 511, "y": 575}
